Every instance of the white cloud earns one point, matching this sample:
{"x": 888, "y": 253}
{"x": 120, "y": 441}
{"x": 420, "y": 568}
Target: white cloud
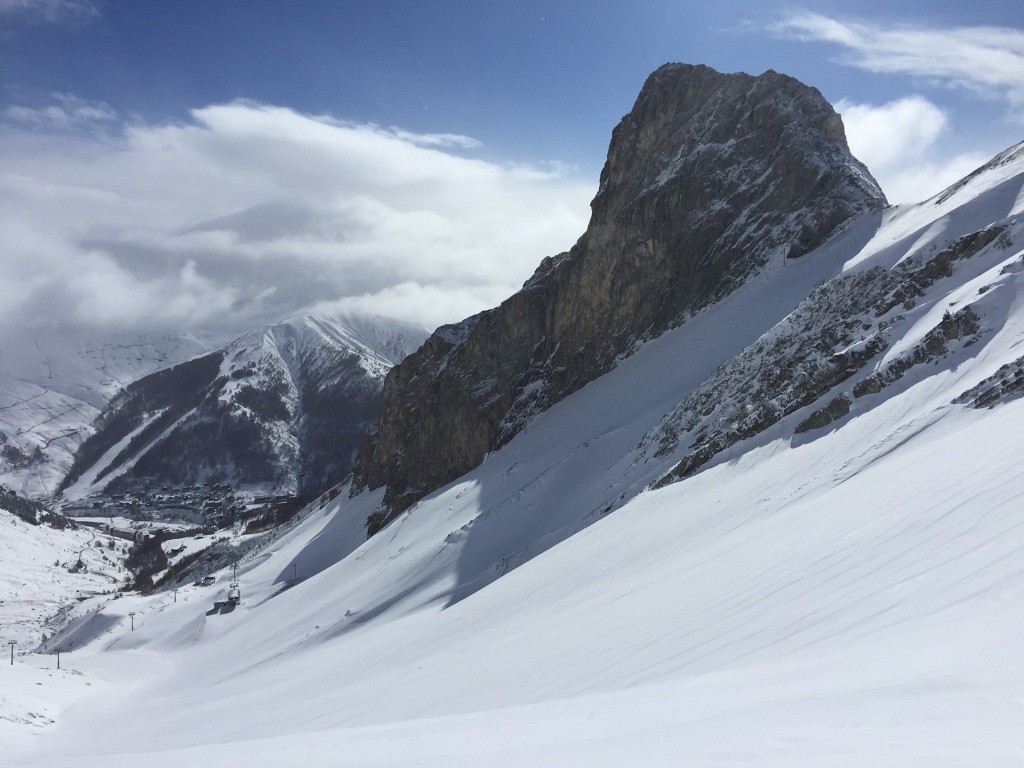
{"x": 898, "y": 143}
{"x": 436, "y": 139}
{"x": 50, "y": 11}
{"x": 988, "y": 61}
{"x": 916, "y": 182}
{"x": 898, "y": 140}
{"x": 69, "y": 113}
{"x": 891, "y": 133}
{"x": 425, "y": 303}
{"x": 246, "y": 213}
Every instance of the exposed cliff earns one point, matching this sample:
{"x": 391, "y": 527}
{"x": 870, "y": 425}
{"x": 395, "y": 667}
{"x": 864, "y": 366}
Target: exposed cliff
{"x": 708, "y": 178}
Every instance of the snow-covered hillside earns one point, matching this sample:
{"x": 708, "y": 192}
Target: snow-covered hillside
{"x": 44, "y": 570}
{"x": 95, "y": 368}
{"x": 826, "y": 587}
{"x": 53, "y": 386}
{"x": 40, "y": 429}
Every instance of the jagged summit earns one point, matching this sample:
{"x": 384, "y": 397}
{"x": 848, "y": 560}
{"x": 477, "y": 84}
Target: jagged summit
{"x": 685, "y": 116}
{"x": 383, "y": 340}
{"x": 708, "y": 178}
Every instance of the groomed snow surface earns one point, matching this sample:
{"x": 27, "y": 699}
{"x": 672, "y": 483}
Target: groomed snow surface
{"x": 853, "y": 596}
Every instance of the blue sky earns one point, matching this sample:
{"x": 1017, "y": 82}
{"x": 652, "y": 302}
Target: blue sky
{"x": 533, "y": 81}
{"x": 253, "y": 159}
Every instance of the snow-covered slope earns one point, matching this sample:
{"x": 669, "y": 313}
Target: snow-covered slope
{"x": 53, "y": 386}
{"x": 44, "y": 569}
{"x": 848, "y": 593}
{"x": 95, "y": 368}
{"x": 280, "y": 409}
{"x": 40, "y": 429}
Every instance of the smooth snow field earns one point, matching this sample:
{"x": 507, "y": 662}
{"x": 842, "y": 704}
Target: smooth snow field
{"x": 852, "y": 596}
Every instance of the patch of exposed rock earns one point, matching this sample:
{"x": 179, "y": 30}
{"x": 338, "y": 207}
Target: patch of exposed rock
{"x": 961, "y": 327}
{"x": 827, "y": 341}
{"x": 1004, "y": 385}
{"x": 708, "y": 178}
{"x": 834, "y": 410}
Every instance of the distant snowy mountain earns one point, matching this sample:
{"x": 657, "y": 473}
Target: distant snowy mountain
{"x": 53, "y": 386}
{"x": 280, "y": 410}
{"x": 94, "y": 368}
{"x": 39, "y": 432}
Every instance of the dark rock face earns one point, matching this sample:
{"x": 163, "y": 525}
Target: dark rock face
{"x": 833, "y": 411}
{"x": 708, "y": 178}
{"x": 1004, "y": 385}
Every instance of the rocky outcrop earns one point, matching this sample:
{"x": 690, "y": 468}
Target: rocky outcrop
{"x": 833, "y": 411}
{"x": 962, "y": 327}
{"x": 825, "y": 344}
{"x": 708, "y": 178}
{"x": 1004, "y": 385}
{"x": 825, "y": 341}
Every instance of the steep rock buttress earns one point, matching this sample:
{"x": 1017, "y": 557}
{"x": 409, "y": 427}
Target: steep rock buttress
{"x": 708, "y": 178}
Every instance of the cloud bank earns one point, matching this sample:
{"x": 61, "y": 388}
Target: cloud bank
{"x": 989, "y": 61}
{"x": 898, "y": 140}
{"x": 247, "y": 213}
{"x": 49, "y": 11}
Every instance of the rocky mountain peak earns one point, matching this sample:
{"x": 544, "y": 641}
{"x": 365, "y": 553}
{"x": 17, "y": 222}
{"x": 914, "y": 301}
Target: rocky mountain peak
{"x": 703, "y": 137}
{"x": 708, "y": 178}
{"x": 682, "y": 107}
